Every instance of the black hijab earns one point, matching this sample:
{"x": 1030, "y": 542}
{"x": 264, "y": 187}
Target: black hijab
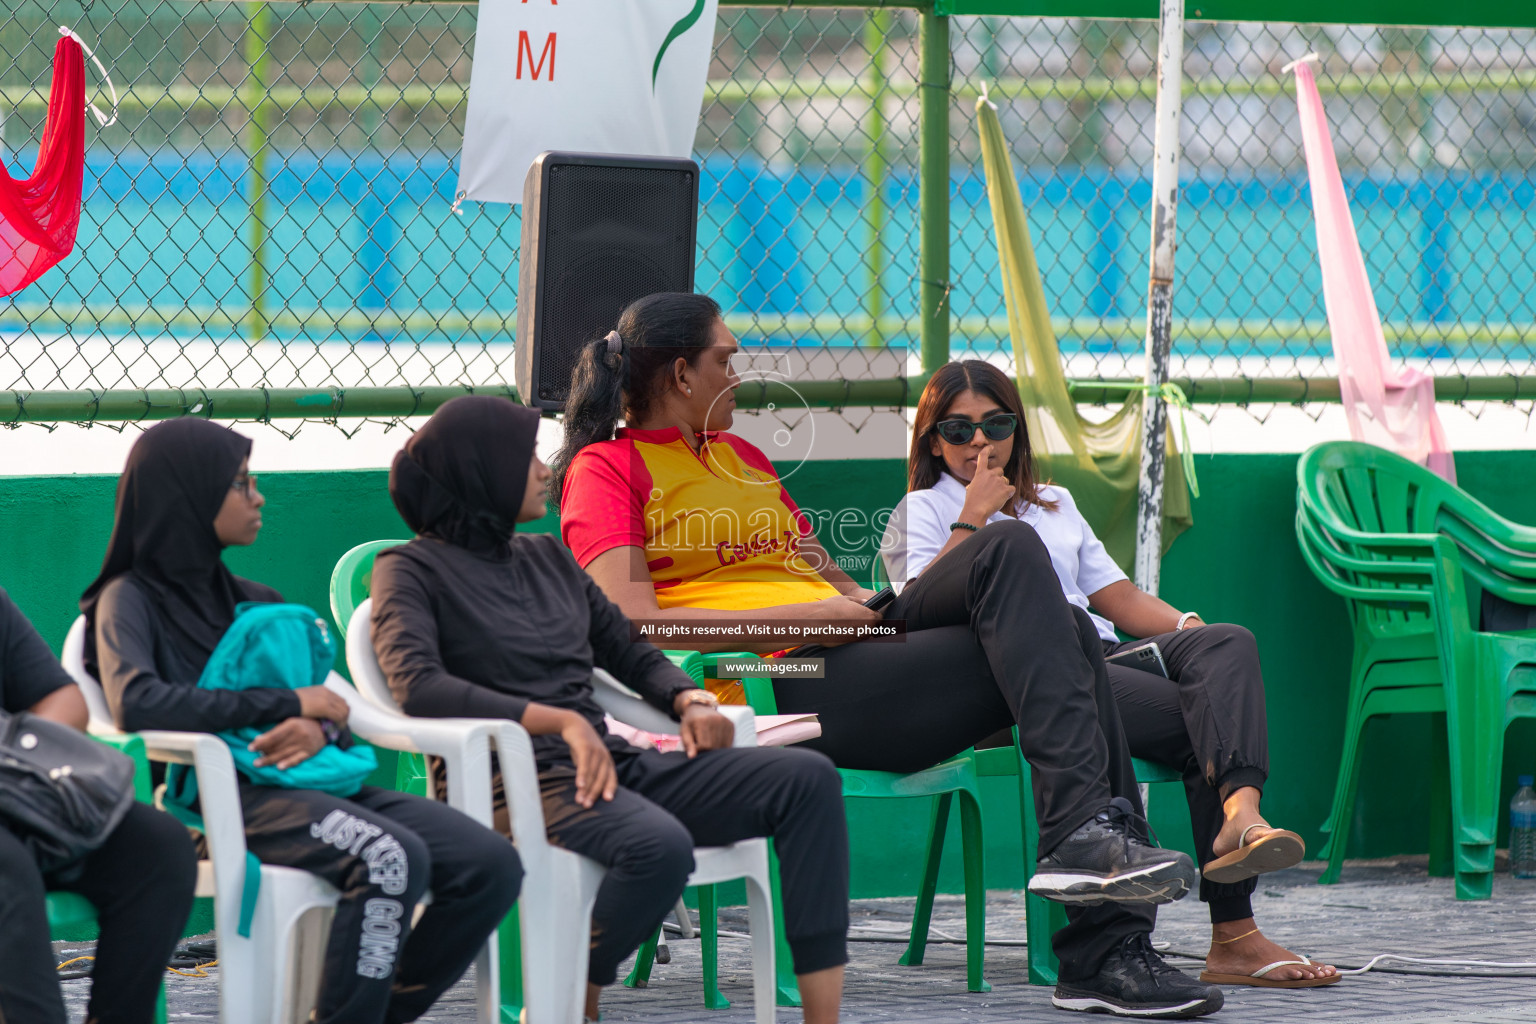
{"x": 461, "y": 478}
{"x": 171, "y": 490}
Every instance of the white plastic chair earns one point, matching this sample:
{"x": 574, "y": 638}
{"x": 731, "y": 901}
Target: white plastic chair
{"x": 560, "y": 887}
{"x": 273, "y": 976}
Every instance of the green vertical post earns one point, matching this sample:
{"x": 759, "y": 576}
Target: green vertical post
{"x": 933, "y": 259}
{"x": 877, "y": 31}
{"x": 256, "y": 92}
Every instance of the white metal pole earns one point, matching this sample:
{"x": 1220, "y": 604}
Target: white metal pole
{"x": 1165, "y": 202}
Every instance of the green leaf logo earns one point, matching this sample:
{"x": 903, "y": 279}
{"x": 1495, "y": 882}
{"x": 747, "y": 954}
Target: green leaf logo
{"x": 684, "y": 23}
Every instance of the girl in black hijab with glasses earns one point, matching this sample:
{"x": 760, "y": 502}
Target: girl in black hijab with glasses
{"x": 473, "y": 620}
{"x": 156, "y": 612}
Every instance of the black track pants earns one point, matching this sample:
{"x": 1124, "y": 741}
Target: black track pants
{"x": 383, "y": 850}
{"x": 141, "y": 883}
{"x": 667, "y": 804}
{"x": 1207, "y": 722}
{"x": 991, "y": 642}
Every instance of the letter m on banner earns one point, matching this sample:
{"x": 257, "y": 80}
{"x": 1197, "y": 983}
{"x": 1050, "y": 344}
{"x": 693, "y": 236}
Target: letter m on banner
{"x": 525, "y": 46}
{"x": 653, "y": 55}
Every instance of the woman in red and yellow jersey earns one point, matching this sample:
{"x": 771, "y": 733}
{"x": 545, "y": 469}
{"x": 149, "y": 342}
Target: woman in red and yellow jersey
{"x": 682, "y": 523}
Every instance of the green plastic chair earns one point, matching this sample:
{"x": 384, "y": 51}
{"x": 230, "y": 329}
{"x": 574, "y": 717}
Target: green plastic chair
{"x": 943, "y": 783}
{"x": 69, "y": 913}
{"x": 1043, "y": 917}
{"x": 1402, "y": 546}
{"x": 351, "y": 581}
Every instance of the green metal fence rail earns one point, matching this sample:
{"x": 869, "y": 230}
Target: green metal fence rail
{"x": 268, "y": 234}
{"x": 267, "y": 404}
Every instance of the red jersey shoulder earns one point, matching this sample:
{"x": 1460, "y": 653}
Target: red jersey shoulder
{"x": 609, "y": 462}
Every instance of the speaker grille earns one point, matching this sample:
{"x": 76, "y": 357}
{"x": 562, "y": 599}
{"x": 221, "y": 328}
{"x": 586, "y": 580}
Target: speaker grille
{"x": 610, "y": 235}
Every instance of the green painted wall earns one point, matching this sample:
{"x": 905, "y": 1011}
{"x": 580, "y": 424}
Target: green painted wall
{"x": 1239, "y": 563}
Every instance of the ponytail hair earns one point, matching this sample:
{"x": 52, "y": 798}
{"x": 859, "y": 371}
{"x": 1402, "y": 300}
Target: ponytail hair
{"x": 624, "y": 372}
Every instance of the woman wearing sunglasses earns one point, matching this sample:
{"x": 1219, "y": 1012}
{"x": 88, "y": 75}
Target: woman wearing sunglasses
{"x": 971, "y": 467}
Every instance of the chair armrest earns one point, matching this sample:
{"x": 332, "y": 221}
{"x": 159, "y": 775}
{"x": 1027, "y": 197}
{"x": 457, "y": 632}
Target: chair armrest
{"x": 745, "y": 722}
{"x": 1509, "y": 573}
{"x": 1516, "y": 538}
{"x": 628, "y": 707}
{"x": 757, "y": 689}
{"x": 711, "y": 662}
{"x": 464, "y": 744}
{"x": 691, "y": 662}
{"x": 520, "y": 783}
{"x": 219, "y": 797}
{"x": 1340, "y": 571}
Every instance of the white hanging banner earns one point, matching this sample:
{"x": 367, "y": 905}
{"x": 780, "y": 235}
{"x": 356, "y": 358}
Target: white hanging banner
{"x": 585, "y": 76}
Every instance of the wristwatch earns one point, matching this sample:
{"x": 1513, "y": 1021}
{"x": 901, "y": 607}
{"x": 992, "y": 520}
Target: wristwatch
{"x": 704, "y": 697}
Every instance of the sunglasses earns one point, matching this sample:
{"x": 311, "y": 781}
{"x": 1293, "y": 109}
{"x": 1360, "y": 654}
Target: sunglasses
{"x": 959, "y": 430}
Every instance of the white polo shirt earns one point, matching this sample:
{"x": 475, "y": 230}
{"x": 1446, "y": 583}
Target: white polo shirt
{"x": 919, "y": 527}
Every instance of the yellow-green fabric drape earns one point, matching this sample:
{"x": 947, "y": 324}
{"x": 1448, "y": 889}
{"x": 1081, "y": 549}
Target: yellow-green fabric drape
{"x": 1099, "y": 462}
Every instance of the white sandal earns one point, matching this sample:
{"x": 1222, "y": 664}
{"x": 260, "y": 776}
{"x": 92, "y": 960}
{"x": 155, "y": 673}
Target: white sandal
{"x": 1260, "y": 978}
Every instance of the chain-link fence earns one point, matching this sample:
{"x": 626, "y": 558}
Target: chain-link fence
{"x": 273, "y": 208}
{"x": 1435, "y": 131}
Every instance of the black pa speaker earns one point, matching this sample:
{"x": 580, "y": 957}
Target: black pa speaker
{"x": 598, "y": 233}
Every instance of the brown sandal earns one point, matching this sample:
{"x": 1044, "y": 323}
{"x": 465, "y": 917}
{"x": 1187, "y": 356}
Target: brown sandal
{"x": 1279, "y": 849}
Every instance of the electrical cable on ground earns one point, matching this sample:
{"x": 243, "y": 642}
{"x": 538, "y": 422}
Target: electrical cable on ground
{"x": 1497, "y": 969}
{"x": 190, "y": 960}
{"x": 1494, "y": 968}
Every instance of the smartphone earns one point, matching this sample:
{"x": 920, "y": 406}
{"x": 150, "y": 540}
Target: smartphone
{"x": 1147, "y": 657}
{"x": 880, "y": 600}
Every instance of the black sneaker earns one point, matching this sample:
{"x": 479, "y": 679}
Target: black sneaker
{"x": 1109, "y": 860}
{"x": 1134, "y": 981}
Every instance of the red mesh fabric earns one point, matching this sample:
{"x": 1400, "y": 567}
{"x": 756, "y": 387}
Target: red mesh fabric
{"x": 40, "y": 215}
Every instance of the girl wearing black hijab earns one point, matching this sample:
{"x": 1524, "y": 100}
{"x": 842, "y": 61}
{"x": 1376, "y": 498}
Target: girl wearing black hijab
{"x": 472, "y": 620}
{"x": 157, "y": 611}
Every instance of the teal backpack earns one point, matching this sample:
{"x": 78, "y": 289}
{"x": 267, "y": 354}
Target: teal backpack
{"x": 282, "y": 645}
{"x": 271, "y": 645}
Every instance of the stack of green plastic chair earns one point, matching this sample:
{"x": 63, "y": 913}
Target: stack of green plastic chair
{"x": 1403, "y": 548}
{"x": 70, "y": 913}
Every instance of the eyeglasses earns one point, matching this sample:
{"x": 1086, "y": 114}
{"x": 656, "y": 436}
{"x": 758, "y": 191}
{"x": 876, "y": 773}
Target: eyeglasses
{"x": 960, "y": 430}
{"x": 245, "y": 485}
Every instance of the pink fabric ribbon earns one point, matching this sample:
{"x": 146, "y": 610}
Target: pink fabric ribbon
{"x": 1390, "y": 407}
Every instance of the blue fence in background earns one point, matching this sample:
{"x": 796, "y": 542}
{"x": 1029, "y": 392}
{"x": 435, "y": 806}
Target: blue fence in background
{"x": 366, "y": 248}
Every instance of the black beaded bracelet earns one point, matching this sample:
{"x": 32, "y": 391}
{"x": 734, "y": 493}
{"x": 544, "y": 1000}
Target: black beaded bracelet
{"x": 963, "y": 526}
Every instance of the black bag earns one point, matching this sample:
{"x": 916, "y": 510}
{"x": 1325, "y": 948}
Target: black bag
{"x": 61, "y": 792}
